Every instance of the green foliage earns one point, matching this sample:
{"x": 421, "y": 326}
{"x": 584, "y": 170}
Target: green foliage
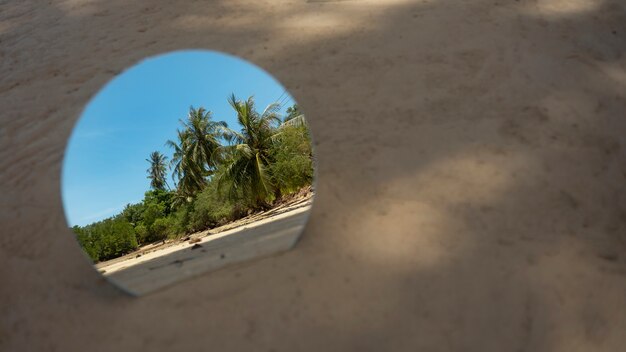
{"x": 292, "y": 111}
{"x": 157, "y": 170}
{"x": 151, "y": 214}
{"x": 292, "y": 167}
{"x": 245, "y": 171}
{"x": 160, "y": 229}
{"x": 107, "y": 239}
{"x": 133, "y": 213}
{"x": 87, "y": 242}
{"x": 142, "y": 231}
{"x": 267, "y": 158}
{"x": 197, "y": 151}
{"x": 161, "y": 198}
{"x": 210, "y": 209}
{"x": 180, "y": 220}
{"x": 153, "y": 211}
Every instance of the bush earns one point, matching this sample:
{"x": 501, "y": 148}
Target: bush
{"x": 133, "y": 213}
{"x": 160, "y": 198}
{"x": 179, "y": 221}
{"x": 88, "y": 242}
{"x": 107, "y": 239}
{"x": 147, "y": 231}
{"x": 209, "y": 209}
{"x": 292, "y": 167}
{"x": 160, "y": 229}
{"x": 142, "y": 233}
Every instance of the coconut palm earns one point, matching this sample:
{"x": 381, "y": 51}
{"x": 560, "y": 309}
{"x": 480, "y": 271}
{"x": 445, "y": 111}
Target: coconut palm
{"x": 157, "y": 170}
{"x": 197, "y": 151}
{"x": 246, "y": 158}
{"x": 187, "y": 175}
{"x": 292, "y": 111}
{"x": 203, "y": 136}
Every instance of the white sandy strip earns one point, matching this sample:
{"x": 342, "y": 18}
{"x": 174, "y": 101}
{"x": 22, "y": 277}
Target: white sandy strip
{"x": 115, "y": 266}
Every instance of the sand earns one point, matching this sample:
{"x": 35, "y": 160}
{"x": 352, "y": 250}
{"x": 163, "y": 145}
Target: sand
{"x": 258, "y": 235}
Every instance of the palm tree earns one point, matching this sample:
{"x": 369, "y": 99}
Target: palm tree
{"x": 188, "y": 176}
{"x": 157, "y": 170}
{"x": 247, "y": 157}
{"x": 197, "y": 152}
{"x": 203, "y": 136}
{"x": 292, "y": 111}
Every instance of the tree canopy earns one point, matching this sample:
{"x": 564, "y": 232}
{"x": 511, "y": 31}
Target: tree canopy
{"x": 219, "y": 173}
{"x": 157, "y": 170}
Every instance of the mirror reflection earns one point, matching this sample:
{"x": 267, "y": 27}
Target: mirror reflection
{"x": 186, "y": 163}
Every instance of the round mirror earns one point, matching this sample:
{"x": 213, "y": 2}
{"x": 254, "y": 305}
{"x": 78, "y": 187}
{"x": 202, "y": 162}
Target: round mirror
{"x": 186, "y": 163}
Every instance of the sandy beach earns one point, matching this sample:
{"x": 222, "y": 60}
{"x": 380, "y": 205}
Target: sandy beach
{"x": 257, "y": 235}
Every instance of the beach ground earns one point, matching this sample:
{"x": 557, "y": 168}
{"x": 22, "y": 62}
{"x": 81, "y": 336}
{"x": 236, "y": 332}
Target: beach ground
{"x": 258, "y": 235}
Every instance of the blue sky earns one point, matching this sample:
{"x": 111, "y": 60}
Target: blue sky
{"x": 137, "y": 112}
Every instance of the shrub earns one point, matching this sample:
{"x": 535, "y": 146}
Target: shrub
{"x": 159, "y": 229}
{"x": 209, "y": 209}
{"x": 142, "y": 233}
{"x": 180, "y": 220}
{"x": 133, "y": 213}
{"x": 151, "y": 214}
{"x": 160, "y": 198}
{"x": 292, "y": 167}
{"x": 107, "y": 239}
{"x": 87, "y": 242}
